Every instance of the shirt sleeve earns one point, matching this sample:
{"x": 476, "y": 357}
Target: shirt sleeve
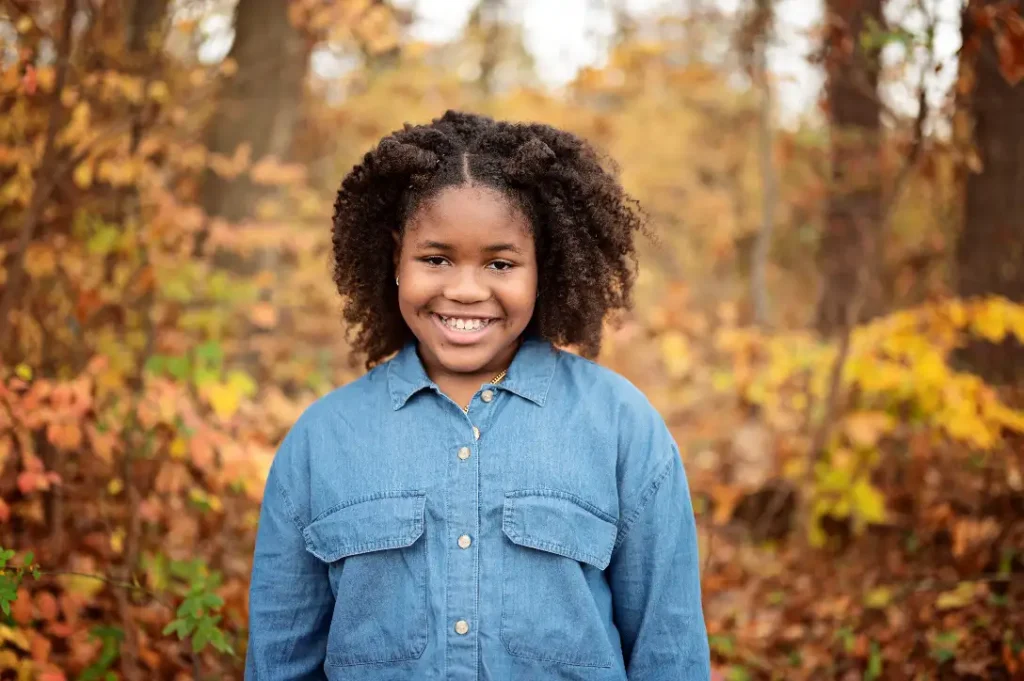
{"x": 290, "y": 597}
{"x": 655, "y": 580}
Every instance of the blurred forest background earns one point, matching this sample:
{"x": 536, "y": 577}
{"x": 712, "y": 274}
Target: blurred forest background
{"x": 831, "y": 321}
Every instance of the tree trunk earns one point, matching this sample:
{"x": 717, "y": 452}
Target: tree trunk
{"x": 145, "y": 19}
{"x": 990, "y": 251}
{"x": 259, "y": 105}
{"x": 855, "y": 202}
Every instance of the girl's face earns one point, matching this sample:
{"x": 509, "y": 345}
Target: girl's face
{"x": 467, "y": 279}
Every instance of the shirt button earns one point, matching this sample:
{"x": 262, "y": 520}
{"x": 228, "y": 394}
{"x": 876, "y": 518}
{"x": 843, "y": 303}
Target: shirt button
{"x": 464, "y": 541}
{"x": 476, "y": 433}
{"x": 462, "y": 627}
{"x": 464, "y": 453}
{"x": 487, "y": 395}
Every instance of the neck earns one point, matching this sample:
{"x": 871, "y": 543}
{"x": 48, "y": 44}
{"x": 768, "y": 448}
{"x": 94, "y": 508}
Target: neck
{"x": 460, "y": 386}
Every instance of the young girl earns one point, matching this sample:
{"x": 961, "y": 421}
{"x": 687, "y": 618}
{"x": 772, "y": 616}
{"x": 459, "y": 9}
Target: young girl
{"x": 480, "y": 506}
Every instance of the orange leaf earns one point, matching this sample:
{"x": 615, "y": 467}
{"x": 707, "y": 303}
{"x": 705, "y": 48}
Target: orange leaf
{"x": 263, "y": 315}
{"x": 41, "y": 647}
{"x": 30, "y": 481}
{"x": 52, "y": 675}
{"x": 47, "y": 605}
{"x": 66, "y": 436}
{"x": 40, "y": 260}
{"x": 1011, "y": 57}
{"x": 21, "y": 609}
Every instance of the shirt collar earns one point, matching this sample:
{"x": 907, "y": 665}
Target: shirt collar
{"x": 529, "y": 375}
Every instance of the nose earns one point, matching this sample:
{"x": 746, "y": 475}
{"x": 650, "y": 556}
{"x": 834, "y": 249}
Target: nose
{"x": 464, "y": 286}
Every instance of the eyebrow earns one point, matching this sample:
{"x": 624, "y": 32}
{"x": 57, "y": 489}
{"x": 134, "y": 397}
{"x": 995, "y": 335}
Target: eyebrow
{"x": 492, "y": 248}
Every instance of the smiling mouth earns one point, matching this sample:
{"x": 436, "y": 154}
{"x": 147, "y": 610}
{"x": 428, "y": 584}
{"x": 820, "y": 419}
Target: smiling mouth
{"x": 465, "y": 325}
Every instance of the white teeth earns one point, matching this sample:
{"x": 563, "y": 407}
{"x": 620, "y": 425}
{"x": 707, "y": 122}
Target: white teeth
{"x": 464, "y": 324}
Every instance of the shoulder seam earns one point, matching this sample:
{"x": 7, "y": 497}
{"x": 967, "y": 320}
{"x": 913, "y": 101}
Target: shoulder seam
{"x": 645, "y": 498}
{"x": 288, "y": 507}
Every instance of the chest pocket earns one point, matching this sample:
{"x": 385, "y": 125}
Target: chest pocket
{"x": 558, "y": 546}
{"x": 378, "y": 561}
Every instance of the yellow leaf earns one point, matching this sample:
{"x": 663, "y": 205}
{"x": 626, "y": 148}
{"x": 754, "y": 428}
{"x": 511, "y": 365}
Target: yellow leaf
{"x": 83, "y": 175}
{"x": 989, "y": 321}
{"x": 878, "y": 598}
{"x": 868, "y": 502}
{"x": 675, "y": 354}
{"x": 159, "y": 92}
{"x": 960, "y": 597}
{"x": 24, "y": 24}
{"x": 15, "y": 637}
{"x": 114, "y": 487}
{"x": 179, "y": 448}
{"x": 117, "y": 541}
{"x": 957, "y": 313}
{"x": 224, "y": 398}
{"x": 242, "y": 382}
{"x": 79, "y": 584}
{"x": 24, "y": 372}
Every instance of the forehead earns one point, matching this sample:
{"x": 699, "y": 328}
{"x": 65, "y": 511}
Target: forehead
{"x": 470, "y": 213}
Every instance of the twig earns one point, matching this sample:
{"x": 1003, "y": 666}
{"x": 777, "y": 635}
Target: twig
{"x": 131, "y": 586}
{"x": 758, "y": 276}
{"x": 865, "y": 271}
{"x": 44, "y": 178}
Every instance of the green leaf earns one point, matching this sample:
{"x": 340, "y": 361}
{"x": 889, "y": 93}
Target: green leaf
{"x": 178, "y": 367}
{"x": 874, "y": 670}
{"x": 104, "y": 240}
{"x": 177, "y": 626}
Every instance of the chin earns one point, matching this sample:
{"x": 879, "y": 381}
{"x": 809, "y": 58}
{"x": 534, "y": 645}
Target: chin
{"x": 468, "y": 359}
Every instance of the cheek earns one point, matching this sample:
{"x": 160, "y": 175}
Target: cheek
{"x": 520, "y": 297}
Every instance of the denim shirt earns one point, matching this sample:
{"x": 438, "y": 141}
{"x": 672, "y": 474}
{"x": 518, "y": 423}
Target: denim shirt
{"x": 546, "y": 534}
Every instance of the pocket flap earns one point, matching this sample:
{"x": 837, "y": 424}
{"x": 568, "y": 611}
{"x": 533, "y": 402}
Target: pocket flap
{"x": 561, "y": 523}
{"x": 387, "y": 521}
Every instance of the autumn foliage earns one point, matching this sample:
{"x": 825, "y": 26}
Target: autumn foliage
{"x": 860, "y": 498}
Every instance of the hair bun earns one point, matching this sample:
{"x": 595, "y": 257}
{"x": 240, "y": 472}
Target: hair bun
{"x": 403, "y": 159}
{"x": 532, "y": 158}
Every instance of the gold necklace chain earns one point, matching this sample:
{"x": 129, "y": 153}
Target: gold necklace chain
{"x": 497, "y": 378}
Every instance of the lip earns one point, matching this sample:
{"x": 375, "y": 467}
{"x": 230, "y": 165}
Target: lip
{"x": 463, "y": 337}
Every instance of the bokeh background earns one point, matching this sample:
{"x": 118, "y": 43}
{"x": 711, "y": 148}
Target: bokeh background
{"x": 829, "y": 316}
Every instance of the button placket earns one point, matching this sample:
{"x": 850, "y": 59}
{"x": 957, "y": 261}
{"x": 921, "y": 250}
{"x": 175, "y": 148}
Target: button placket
{"x": 463, "y": 569}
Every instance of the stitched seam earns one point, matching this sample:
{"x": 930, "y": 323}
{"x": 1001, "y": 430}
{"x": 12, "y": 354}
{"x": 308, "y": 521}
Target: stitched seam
{"x": 509, "y": 527}
{"x": 559, "y": 494}
{"x": 522, "y": 539}
{"x": 366, "y": 547}
{"x": 289, "y": 509}
{"x": 554, "y": 367}
{"x": 645, "y": 498}
{"x": 375, "y": 496}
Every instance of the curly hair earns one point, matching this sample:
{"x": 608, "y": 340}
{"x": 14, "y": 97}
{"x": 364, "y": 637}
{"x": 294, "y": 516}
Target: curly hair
{"x": 581, "y": 218}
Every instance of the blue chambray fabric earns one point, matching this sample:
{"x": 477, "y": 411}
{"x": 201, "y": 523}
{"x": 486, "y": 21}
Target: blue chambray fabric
{"x": 581, "y": 562}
